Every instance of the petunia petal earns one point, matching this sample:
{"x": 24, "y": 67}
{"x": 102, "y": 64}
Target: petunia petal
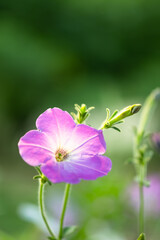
{"x": 86, "y": 139}
{"x": 59, "y": 172}
{"x": 91, "y": 167}
{"x": 71, "y": 171}
{"x": 57, "y": 124}
{"x": 36, "y": 148}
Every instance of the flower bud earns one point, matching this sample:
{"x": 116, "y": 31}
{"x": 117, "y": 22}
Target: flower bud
{"x": 82, "y": 113}
{"x": 83, "y": 108}
{"x": 126, "y": 112}
{"x": 117, "y": 117}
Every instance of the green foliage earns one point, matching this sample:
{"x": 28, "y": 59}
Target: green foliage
{"x": 69, "y": 230}
{"x": 4, "y": 236}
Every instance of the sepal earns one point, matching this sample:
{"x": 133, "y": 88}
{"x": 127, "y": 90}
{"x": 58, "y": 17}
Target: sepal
{"x": 36, "y": 177}
{"x": 41, "y": 177}
{"x": 113, "y": 114}
{"x": 117, "y": 129}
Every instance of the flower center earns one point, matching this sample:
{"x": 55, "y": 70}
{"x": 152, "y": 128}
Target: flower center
{"x": 60, "y": 155}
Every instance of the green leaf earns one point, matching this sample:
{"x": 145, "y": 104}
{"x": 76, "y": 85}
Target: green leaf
{"x": 117, "y": 129}
{"x": 68, "y": 230}
{"x": 141, "y": 237}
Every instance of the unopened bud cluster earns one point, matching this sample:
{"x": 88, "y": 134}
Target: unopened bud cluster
{"x": 82, "y": 113}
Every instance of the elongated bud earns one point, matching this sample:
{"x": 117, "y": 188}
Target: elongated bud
{"x": 117, "y": 117}
{"x": 82, "y": 113}
{"x": 126, "y": 112}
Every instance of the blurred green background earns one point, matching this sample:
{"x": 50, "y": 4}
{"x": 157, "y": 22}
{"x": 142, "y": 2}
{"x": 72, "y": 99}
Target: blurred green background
{"x": 105, "y": 53}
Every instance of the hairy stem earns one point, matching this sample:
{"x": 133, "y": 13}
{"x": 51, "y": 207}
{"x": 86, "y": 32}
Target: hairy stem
{"x": 66, "y": 196}
{"x": 41, "y": 188}
{"x": 141, "y": 209}
{"x": 146, "y": 112}
{"x": 140, "y": 164}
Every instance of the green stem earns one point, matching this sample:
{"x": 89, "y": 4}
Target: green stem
{"x": 146, "y": 112}
{"x": 141, "y": 197}
{"x": 141, "y": 166}
{"x": 41, "y": 188}
{"x": 141, "y": 209}
{"x": 66, "y": 196}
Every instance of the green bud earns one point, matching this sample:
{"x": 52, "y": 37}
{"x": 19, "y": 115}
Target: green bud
{"x": 82, "y": 113}
{"x": 126, "y": 112}
{"x": 117, "y": 117}
{"x": 83, "y": 108}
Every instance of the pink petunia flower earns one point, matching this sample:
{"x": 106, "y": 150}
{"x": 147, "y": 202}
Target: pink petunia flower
{"x": 65, "y": 151}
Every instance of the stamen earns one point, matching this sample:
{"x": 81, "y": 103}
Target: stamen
{"x": 60, "y": 155}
